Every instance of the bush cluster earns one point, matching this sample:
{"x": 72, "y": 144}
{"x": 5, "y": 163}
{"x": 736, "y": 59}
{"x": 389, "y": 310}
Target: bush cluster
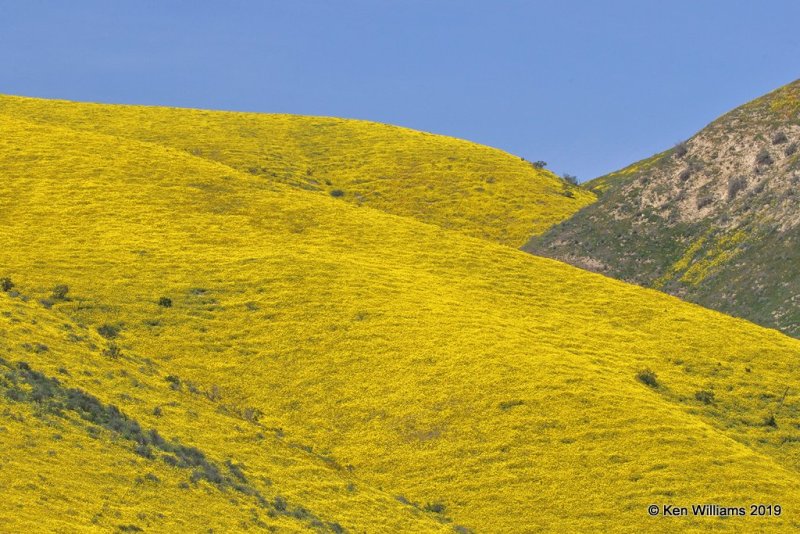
{"x": 704, "y": 200}
{"x": 763, "y": 157}
{"x": 648, "y": 378}
{"x": 735, "y": 185}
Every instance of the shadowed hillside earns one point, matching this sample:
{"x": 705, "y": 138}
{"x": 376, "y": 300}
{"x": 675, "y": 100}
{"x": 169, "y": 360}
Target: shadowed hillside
{"x": 373, "y": 372}
{"x": 715, "y": 220}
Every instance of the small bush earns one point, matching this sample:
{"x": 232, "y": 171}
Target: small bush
{"x": 706, "y": 397}
{"x": 570, "y": 179}
{"x": 763, "y": 157}
{"x": 770, "y": 421}
{"x": 279, "y": 504}
{"x": 165, "y": 302}
{"x": 779, "y": 138}
{"x": 736, "y": 184}
{"x": 681, "y": 149}
{"x": 252, "y": 414}
{"x": 60, "y": 292}
{"x": 236, "y": 470}
{"x": 791, "y": 149}
{"x": 113, "y": 351}
{"x": 337, "y": 193}
{"x": 435, "y": 507}
{"x": 703, "y": 201}
{"x": 144, "y": 450}
{"x": 6, "y": 284}
{"x": 214, "y": 394}
{"x": 648, "y": 378}
{"x": 108, "y": 331}
{"x": 539, "y": 164}
{"x": 174, "y": 382}
{"x": 685, "y": 174}
{"x": 507, "y": 405}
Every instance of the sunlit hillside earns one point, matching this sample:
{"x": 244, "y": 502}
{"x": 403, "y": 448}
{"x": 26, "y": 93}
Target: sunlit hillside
{"x": 173, "y": 459}
{"x": 714, "y": 220}
{"x": 478, "y": 190}
{"x": 312, "y": 364}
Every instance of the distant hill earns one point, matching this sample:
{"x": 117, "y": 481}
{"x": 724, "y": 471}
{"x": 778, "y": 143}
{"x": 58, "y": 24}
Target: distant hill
{"x": 478, "y": 190}
{"x": 185, "y": 346}
{"x": 715, "y": 220}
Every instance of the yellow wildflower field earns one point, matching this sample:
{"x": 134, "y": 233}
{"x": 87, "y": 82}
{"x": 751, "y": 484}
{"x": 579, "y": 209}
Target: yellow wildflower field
{"x": 310, "y": 363}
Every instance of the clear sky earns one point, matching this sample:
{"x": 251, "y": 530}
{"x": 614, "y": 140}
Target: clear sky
{"x": 588, "y": 86}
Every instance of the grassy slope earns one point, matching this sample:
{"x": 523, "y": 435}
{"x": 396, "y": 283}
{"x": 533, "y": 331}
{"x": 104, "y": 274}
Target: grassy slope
{"x": 45, "y": 455}
{"x": 428, "y": 367}
{"x": 475, "y": 189}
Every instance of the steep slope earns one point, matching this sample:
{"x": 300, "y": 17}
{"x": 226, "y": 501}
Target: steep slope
{"x": 478, "y": 190}
{"x": 173, "y": 459}
{"x": 716, "y": 220}
{"x": 476, "y": 386}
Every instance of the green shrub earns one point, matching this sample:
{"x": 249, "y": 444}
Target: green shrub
{"x": 706, "y": 397}
{"x": 130, "y": 528}
{"x": 337, "y": 193}
{"x": 112, "y": 351}
{"x": 60, "y": 292}
{"x": 165, "y": 302}
{"x": 174, "y": 382}
{"x": 435, "y": 507}
{"x": 144, "y": 451}
{"x": 779, "y": 138}
{"x": 108, "y": 331}
{"x": 647, "y": 377}
{"x": 279, "y": 504}
{"x": 6, "y": 284}
{"x": 763, "y": 157}
{"x": 507, "y": 405}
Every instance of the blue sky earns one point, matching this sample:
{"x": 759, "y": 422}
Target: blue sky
{"x": 588, "y": 86}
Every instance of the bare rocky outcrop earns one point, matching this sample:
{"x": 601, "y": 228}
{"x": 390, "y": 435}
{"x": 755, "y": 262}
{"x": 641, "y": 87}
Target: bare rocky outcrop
{"x": 715, "y": 220}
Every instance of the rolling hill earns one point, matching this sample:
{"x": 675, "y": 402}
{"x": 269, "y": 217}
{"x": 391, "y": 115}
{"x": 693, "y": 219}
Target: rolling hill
{"x": 715, "y": 220}
{"x": 188, "y": 346}
{"x": 478, "y": 190}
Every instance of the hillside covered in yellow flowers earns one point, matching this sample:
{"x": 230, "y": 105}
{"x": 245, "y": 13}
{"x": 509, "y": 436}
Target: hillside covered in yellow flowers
{"x": 475, "y": 189}
{"x": 190, "y": 343}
